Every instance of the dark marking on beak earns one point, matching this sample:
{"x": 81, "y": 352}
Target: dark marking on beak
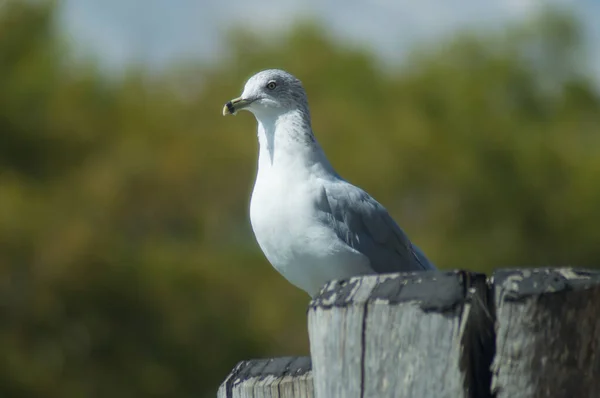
{"x": 230, "y": 107}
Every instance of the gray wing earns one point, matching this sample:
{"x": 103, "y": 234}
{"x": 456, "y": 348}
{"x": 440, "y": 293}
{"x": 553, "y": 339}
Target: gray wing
{"x": 365, "y": 225}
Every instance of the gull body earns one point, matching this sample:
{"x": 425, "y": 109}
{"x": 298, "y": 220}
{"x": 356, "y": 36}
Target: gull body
{"x": 311, "y": 224}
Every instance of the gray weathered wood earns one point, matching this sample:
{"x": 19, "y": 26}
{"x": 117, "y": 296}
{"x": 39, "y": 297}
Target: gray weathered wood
{"x": 287, "y": 377}
{"x": 548, "y": 333}
{"x": 412, "y": 335}
{"x": 431, "y": 334}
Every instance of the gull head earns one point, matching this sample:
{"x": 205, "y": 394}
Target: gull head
{"x": 269, "y": 93}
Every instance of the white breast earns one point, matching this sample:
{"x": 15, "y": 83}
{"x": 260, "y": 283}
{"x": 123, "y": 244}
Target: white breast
{"x": 284, "y": 217}
{"x": 284, "y": 209}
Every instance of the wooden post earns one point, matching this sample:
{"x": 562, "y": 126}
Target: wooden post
{"x": 435, "y": 334}
{"x": 418, "y": 335}
{"x": 287, "y": 377}
{"x": 548, "y": 336}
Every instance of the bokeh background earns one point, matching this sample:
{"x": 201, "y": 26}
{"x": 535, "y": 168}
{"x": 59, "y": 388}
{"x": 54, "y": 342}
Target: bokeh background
{"x": 127, "y": 264}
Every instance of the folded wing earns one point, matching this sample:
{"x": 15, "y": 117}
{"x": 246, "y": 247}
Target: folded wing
{"x": 365, "y": 225}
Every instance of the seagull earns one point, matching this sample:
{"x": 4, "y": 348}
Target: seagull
{"x": 312, "y": 225}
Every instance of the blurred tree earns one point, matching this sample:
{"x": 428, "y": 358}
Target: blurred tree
{"x": 127, "y": 264}
{"x": 105, "y": 286}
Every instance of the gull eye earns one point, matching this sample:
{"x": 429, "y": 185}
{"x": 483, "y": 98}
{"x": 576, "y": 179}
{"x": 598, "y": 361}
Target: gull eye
{"x": 271, "y": 85}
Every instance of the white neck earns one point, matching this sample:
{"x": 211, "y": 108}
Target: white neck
{"x": 286, "y": 141}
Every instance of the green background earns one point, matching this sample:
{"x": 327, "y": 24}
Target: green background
{"x": 127, "y": 264}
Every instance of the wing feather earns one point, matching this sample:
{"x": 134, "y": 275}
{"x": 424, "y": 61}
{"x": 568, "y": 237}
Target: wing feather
{"x": 365, "y": 225}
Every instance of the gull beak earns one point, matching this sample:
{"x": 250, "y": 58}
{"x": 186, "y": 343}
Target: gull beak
{"x": 235, "y": 105}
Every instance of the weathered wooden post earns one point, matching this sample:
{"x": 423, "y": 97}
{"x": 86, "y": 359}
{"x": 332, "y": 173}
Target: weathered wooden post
{"x": 419, "y": 335}
{"x": 286, "y": 377}
{"x": 548, "y": 335}
{"x": 525, "y": 333}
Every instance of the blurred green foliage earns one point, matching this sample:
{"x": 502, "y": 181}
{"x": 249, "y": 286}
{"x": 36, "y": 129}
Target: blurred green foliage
{"x": 127, "y": 264}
